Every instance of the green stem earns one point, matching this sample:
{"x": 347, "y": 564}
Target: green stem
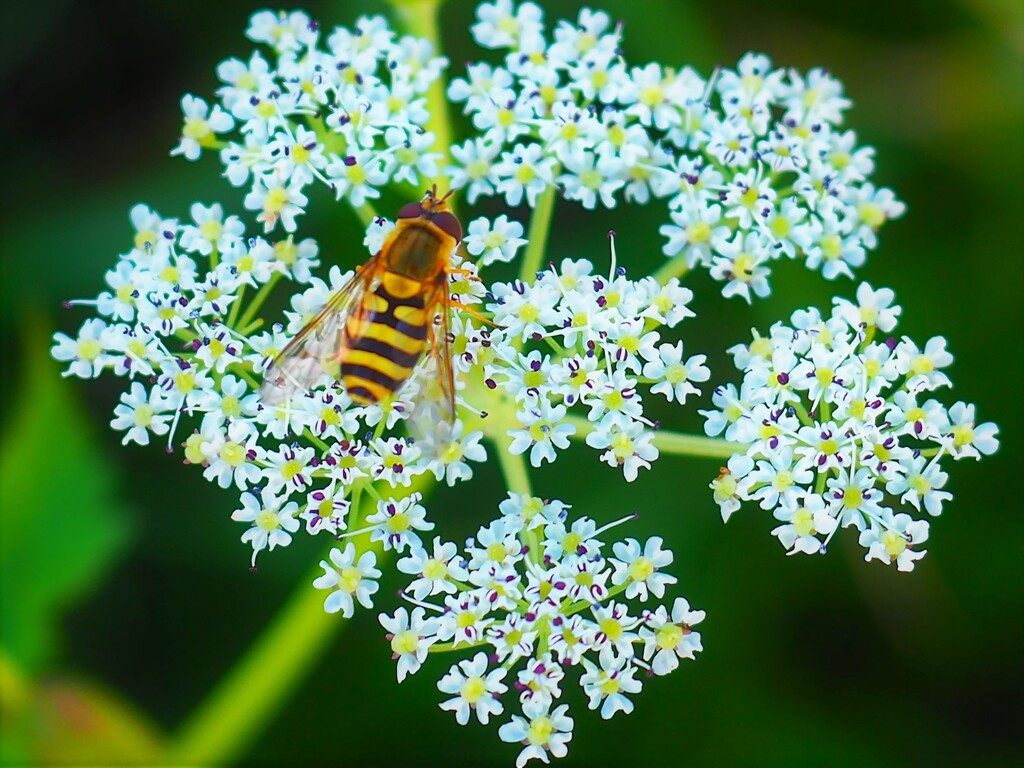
{"x": 675, "y": 443}
{"x": 420, "y": 18}
{"x": 258, "y": 299}
{"x": 366, "y": 213}
{"x": 236, "y": 306}
{"x": 537, "y": 236}
{"x": 674, "y": 267}
{"x": 242, "y": 703}
{"x": 517, "y": 480}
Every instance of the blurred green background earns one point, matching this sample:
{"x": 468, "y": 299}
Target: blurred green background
{"x": 126, "y": 594}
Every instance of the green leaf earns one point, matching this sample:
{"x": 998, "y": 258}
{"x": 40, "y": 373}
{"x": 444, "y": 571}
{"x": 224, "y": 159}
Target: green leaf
{"x": 60, "y": 525}
{"x": 74, "y": 721}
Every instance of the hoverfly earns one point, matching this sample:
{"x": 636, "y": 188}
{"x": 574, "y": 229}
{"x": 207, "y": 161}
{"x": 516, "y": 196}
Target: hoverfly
{"x": 372, "y": 332}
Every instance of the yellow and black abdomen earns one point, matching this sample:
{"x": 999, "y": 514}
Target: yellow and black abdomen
{"x": 384, "y": 339}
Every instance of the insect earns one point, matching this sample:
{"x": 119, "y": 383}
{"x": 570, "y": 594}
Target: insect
{"x": 373, "y": 332}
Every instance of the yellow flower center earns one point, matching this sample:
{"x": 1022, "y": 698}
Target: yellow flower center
{"x": 963, "y": 434}
{"x": 668, "y": 637}
{"x": 145, "y": 239}
{"x": 623, "y": 447}
{"x": 534, "y": 379}
{"x": 211, "y": 230}
{"x": 356, "y": 175}
{"x": 540, "y": 731}
{"x": 611, "y": 628}
{"x": 435, "y": 569}
{"x": 473, "y": 690}
{"x": 276, "y": 200}
{"x": 399, "y": 522}
{"x": 196, "y": 128}
{"x": 405, "y": 642}
{"x": 871, "y": 214}
{"x": 652, "y": 95}
{"x": 144, "y": 415}
{"x": 89, "y": 349}
{"x": 528, "y": 313}
{"x": 540, "y": 431}
{"x": 349, "y": 579}
{"x": 831, "y": 247}
{"x": 743, "y": 268}
{"x": 641, "y": 569}
{"x": 267, "y": 520}
{"x": 451, "y": 453}
{"x": 525, "y": 174}
{"x": 803, "y": 522}
{"x": 232, "y": 453}
{"x": 894, "y": 544}
{"x": 922, "y": 364}
{"x": 194, "y": 449}
{"x": 571, "y": 542}
{"x": 780, "y": 227}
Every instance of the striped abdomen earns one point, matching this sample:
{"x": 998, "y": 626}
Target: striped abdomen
{"x": 384, "y": 339}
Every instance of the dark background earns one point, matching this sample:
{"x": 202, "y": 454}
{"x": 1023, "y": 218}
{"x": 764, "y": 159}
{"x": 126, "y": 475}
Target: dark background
{"x": 126, "y": 590}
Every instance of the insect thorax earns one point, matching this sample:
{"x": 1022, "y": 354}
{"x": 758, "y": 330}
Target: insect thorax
{"x": 419, "y": 250}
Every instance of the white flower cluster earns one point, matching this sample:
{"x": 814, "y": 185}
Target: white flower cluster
{"x": 537, "y": 612}
{"x": 350, "y": 114}
{"x": 842, "y": 430}
{"x": 173, "y": 326}
{"x": 573, "y": 340}
{"x": 754, "y": 162}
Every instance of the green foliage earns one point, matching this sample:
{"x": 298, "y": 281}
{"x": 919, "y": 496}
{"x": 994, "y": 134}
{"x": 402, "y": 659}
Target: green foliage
{"x": 61, "y": 525}
{"x": 67, "y": 721}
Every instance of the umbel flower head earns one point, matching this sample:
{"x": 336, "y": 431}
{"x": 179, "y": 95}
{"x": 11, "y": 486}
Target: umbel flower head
{"x": 562, "y": 605}
{"x": 843, "y": 431}
{"x": 753, "y": 163}
{"x": 834, "y": 419}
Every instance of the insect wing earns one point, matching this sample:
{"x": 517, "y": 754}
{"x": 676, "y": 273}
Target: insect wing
{"x": 433, "y": 415}
{"x": 315, "y": 352}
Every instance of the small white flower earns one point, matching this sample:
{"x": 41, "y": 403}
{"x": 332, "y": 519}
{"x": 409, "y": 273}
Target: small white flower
{"x": 200, "y": 126}
{"x": 494, "y": 241}
{"x": 542, "y": 732}
{"x": 540, "y": 680}
{"x": 141, "y": 412}
{"x": 609, "y": 687}
{"x": 396, "y": 521}
{"x": 436, "y": 571}
{"x": 541, "y": 432}
{"x": 86, "y": 353}
{"x": 668, "y": 638}
{"x": 273, "y": 521}
{"x": 674, "y": 376}
{"x": 639, "y": 569}
{"x": 410, "y": 638}
{"x": 476, "y": 690}
{"x": 894, "y": 539}
{"x": 349, "y": 580}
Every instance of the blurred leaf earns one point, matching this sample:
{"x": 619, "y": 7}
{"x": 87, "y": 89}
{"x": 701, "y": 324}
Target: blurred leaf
{"x": 60, "y": 524}
{"x": 78, "y": 722}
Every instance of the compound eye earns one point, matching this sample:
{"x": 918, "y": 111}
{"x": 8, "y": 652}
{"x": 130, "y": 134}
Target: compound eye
{"x": 411, "y": 211}
{"x": 447, "y": 222}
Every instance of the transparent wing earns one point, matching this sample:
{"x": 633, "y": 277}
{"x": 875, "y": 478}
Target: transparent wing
{"x": 315, "y": 352}
{"x": 433, "y": 415}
